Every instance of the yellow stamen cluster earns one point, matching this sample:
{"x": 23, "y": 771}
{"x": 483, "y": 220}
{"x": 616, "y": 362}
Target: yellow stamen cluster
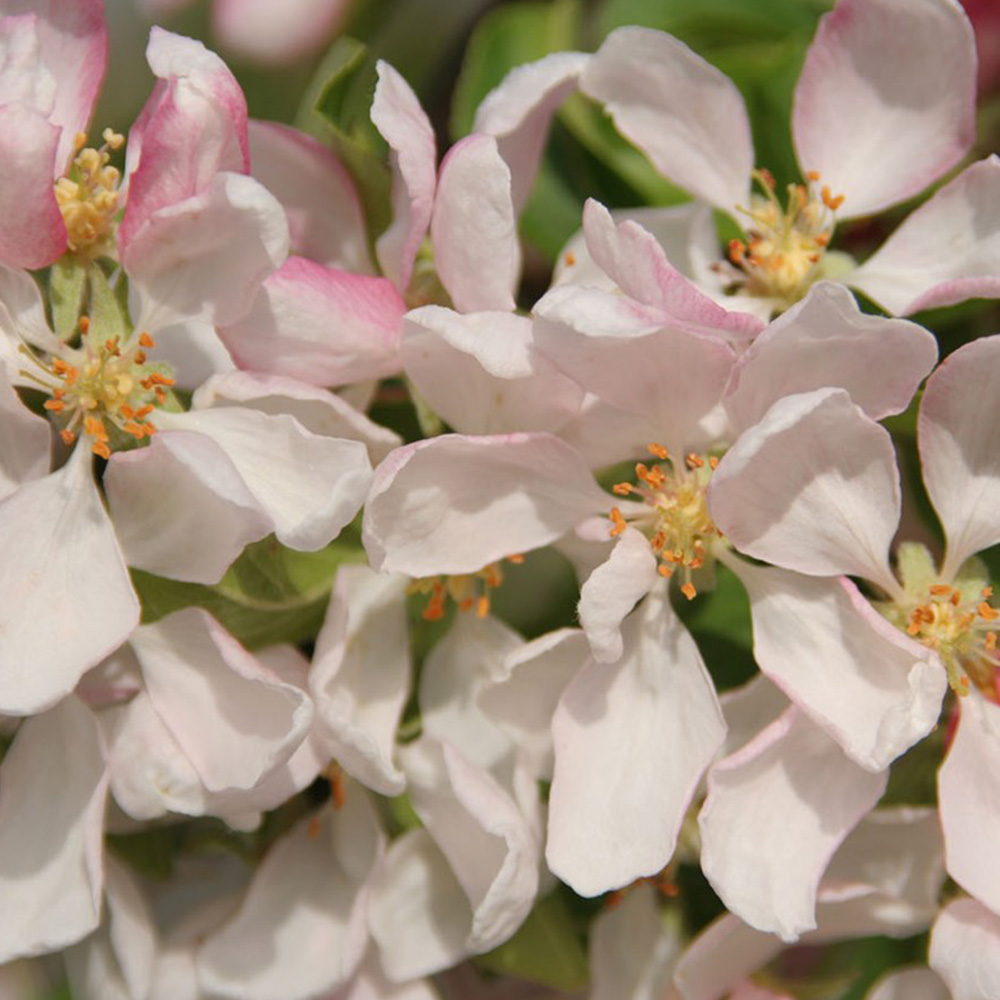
{"x": 963, "y": 633}
{"x": 785, "y": 245}
{"x": 678, "y": 523}
{"x": 102, "y": 387}
{"x": 468, "y": 590}
{"x": 88, "y": 196}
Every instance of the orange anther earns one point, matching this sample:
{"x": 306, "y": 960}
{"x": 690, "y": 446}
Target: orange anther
{"x": 618, "y": 524}
{"x": 694, "y": 461}
{"x": 67, "y": 436}
{"x": 940, "y": 589}
{"x": 713, "y": 463}
{"x": 622, "y": 489}
{"x": 659, "y": 451}
{"x": 766, "y": 178}
{"x": 84, "y": 324}
{"x": 988, "y": 612}
{"x": 813, "y": 175}
{"x": 482, "y": 606}
{"x": 570, "y": 258}
{"x": 55, "y": 405}
{"x": 737, "y": 251}
{"x": 665, "y": 571}
{"x": 100, "y": 448}
{"x": 313, "y": 828}
{"x": 146, "y": 340}
{"x": 832, "y": 202}
{"x": 338, "y": 789}
{"x": 688, "y": 591}
{"x": 516, "y": 559}
{"x": 991, "y": 642}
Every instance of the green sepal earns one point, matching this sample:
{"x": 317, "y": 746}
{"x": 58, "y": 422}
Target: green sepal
{"x": 271, "y": 594}
{"x": 337, "y": 110}
{"x": 107, "y": 311}
{"x": 149, "y": 852}
{"x": 67, "y": 287}
{"x": 546, "y": 949}
{"x": 507, "y": 37}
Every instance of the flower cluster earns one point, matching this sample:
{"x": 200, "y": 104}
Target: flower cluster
{"x": 372, "y": 627}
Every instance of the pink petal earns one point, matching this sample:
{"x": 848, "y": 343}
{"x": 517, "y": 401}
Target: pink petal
{"x": 878, "y": 69}
{"x": 481, "y": 374}
{"x": 637, "y": 263}
{"x": 825, "y": 340}
{"x": 204, "y": 258}
{"x": 32, "y": 232}
{"x": 873, "y": 689}
{"x": 965, "y": 950}
{"x": 260, "y": 31}
{"x": 67, "y": 598}
{"x": 181, "y": 509}
{"x": 685, "y": 115}
{"x": 324, "y": 213}
{"x": 766, "y": 862}
{"x": 454, "y": 504}
{"x": 958, "y": 451}
{"x": 813, "y": 487}
{"x": 397, "y": 114}
{"x": 969, "y": 798}
{"x": 301, "y": 928}
{"x": 360, "y": 675}
{"x": 193, "y": 127}
{"x": 51, "y": 829}
{"x": 191, "y": 665}
{"x": 518, "y": 113}
{"x": 324, "y": 326}
{"x": 647, "y": 726}
{"x": 947, "y": 251}
{"x": 74, "y": 45}
{"x": 473, "y": 228}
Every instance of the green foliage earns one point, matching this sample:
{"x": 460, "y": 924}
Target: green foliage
{"x": 67, "y": 285}
{"x": 106, "y": 307}
{"x": 269, "y": 595}
{"x": 337, "y": 110}
{"x": 546, "y": 949}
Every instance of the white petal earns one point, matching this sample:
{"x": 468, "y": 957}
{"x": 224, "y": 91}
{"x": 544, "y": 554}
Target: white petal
{"x": 181, "y": 508}
{"x": 67, "y": 599}
{"x": 881, "y": 68}
{"x": 969, "y": 798}
{"x": 909, "y": 984}
{"x": 360, "y": 675}
{"x": 191, "y": 666}
{"x": 685, "y": 115}
{"x": 947, "y": 251}
{"x": 775, "y": 813}
{"x": 519, "y": 110}
{"x": 875, "y": 690}
{"x": 454, "y": 504}
{"x": 301, "y": 928}
{"x": 965, "y": 950}
{"x": 826, "y": 340}
{"x": 25, "y": 441}
{"x": 522, "y": 704}
{"x": 474, "y": 230}
{"x": 486, "y": 839}
{"x": 132, "y": 931}
{"x": 420, "y": 916}
{"x": 813, "y": 487}
{"x": 51, "y": 828}
{"x": 309, "y": 486}
{"x": 631, "y": 742}
{"x": 612, "y": 590}
{"x": 397, "y": 114}
{"x": 957, "y": 450}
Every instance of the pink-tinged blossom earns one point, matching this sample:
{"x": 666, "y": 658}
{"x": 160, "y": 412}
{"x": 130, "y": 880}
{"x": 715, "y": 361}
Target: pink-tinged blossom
{"x": 691, "y": 122}
{"x": 54, "y": 58}
{"x": 965, "y": 949}
{"x": 813, "y": 488}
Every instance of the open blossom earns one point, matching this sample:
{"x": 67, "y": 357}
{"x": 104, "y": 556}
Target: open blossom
{"x": 874, "y": 123}
{"x": 814, "y": 489}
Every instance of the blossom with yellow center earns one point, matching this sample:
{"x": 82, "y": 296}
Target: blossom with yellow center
{"x": 468, "y": 590}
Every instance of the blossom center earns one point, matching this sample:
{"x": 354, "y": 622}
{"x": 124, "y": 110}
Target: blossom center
{"x": 468, "y": 590}
{"x": 785, "y": 245}
{"x": 674, "y": 513}
{"x": 105, "y": 390}
{"x": 88, "y": 196}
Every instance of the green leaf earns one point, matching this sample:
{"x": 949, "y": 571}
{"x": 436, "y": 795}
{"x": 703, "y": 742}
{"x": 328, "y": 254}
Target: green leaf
{"x": 67, "y": 284}
{"x": 337, "y": 110}
{"x": 512, "y": 34}
{"x": 545, "y": 950}
{"x": 271, "y": 594}
{"x": 149, "y": 852}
